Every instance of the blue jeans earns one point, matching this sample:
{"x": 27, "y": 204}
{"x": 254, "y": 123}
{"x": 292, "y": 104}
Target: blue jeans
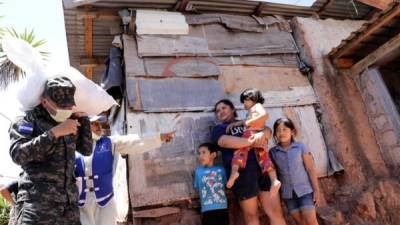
{"x": 296, "y": 204}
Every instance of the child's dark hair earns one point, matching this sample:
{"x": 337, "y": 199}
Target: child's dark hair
{"x": 287, "y": 123}
{"x": 228, "y": 103}
{"x": 210, "y": 146}
{"x": 252, "y": 94}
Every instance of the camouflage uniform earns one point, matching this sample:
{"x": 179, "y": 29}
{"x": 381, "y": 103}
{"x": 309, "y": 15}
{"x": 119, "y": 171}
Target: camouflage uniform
{"x": 47, "y": 189}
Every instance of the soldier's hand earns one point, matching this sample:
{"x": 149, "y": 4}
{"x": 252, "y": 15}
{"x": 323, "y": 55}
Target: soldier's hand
{"x": 65, "y": 128}
{"x": 167, "y": 137}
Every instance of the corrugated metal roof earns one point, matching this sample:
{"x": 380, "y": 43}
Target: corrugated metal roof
{"x": 102, "y": 34}
{"x": 343, "y": 9}
{"x": 370, "y": 36}
{"x": 335, "y": 9}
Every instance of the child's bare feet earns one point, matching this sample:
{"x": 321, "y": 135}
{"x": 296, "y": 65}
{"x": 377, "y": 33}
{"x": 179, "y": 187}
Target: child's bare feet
{"x": 276, "y": 185}
{"x": 232, "y": 179}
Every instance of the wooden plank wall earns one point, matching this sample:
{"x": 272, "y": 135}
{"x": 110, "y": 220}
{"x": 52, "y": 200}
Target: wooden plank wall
{"x": 238, "y": 78}
{"x": 174, "y": 81}
{"x": 168, "y": 170}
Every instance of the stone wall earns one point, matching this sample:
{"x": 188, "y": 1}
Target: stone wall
{"x": 382, "y": 114}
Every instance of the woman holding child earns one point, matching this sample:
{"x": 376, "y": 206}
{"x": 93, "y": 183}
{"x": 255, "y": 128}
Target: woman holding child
{"x": 251, "y": 186}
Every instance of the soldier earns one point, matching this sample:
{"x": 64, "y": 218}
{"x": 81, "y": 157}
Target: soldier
{"x": 43, "y": 142}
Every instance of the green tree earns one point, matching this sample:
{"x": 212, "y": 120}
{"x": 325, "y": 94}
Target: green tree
{"x": 4, "y": 212}
{"x": 9, "y": 72}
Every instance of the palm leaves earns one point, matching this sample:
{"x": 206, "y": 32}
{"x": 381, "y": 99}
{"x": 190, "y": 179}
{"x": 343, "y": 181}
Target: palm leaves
{"x": 4, "y": 212}
{"x": 9, "y": 72}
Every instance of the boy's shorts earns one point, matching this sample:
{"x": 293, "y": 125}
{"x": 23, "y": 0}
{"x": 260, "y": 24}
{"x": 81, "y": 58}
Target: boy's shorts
{"x": 296, "y": 204}
{"x": 215, "y": 217}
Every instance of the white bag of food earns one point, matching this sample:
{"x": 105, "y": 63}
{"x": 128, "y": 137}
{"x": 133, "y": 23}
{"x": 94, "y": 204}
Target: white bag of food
{"x": 28, "y": 59}
{"x": 89, "y": 97}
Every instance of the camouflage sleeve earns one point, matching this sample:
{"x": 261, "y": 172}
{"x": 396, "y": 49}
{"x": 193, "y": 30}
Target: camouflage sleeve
{"x": 24, "y": 147}
{"x": 84, "y": 142}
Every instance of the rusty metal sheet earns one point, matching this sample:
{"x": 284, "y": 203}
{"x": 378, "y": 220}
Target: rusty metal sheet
{"x": 165, "y": 174}
{"x": 232, "y": 22}
{"x": 193, "y": 66}
{"x": 132, "y": 94}
{"x": 172, "y": 46}
{"x": 166, "y": 66}
{"x": 237, "y": 22}
{"x": 173, "y": 94}
{"x": 182, "y": 67}
{"x": 275, "y": 60}
{"x": 215, "y": 40}
{"x": 133, "y": 64}
{"x": 272, "y": 41}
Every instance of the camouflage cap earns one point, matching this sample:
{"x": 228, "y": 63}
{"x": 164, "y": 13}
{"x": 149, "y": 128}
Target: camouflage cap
{"x": 61, "y": 91}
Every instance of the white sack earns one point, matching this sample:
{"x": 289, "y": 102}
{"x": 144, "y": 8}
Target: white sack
{"x": 28, "y": 59}
{"x": 89, "y": 97}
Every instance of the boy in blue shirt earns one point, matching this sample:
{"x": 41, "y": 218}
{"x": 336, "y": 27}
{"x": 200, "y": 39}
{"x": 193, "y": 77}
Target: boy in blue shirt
{"x": 210, "y": 181}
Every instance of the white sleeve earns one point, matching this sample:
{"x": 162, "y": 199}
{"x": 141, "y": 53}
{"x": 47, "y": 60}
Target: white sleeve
{"x": 135, "y": 144}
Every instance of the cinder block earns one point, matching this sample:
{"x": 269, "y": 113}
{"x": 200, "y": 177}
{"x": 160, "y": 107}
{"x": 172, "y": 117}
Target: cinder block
{"x": 389, "y": 138}
{"x": 381, "y": 122}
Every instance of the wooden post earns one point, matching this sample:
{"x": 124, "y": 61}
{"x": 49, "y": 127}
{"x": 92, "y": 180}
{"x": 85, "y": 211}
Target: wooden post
{"x": 89, "y": 44}
{"x": 344, "y": 63}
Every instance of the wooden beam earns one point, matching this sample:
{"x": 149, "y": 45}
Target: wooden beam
{"x": 380, "y": 4}
{"x": 344, "y": 63}
{"x": 154, "y": 213}
{"x": 98, "y": 16}
{"x": 89, "y": 44}
{"x": 387, "y": 52}
{"x": 91, "y": 62}
{"x": 393, "y": 13}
